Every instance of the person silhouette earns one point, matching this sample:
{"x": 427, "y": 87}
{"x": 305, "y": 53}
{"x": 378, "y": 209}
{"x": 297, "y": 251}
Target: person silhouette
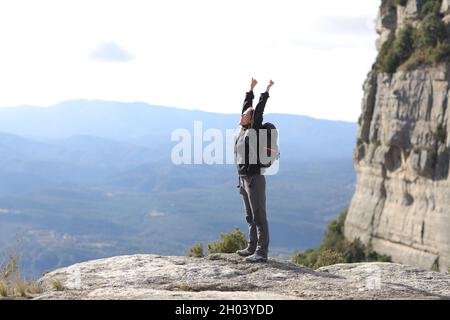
{"x": 252, "y": 183}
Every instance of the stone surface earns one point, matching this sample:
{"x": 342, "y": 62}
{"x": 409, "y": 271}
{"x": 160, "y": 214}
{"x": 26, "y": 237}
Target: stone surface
{"x": 445, "y": 7}
{"x": 228, "y": 276}
{"x": 401, "y": 203}
{"x": 409, "y": 14}
{"x": 402, "y": 198}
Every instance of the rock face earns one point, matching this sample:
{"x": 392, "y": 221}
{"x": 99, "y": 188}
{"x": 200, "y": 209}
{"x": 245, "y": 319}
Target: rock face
{"x": 227, "y": 276}
{"x": 401, "y": 203}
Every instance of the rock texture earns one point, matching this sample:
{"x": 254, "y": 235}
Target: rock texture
{"x": 227, "y": 276}
{"x": 401, "y": 203}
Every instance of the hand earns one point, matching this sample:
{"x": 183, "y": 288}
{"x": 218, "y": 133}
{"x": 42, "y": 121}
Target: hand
{"x": 253, "y": 85}
{"x": 271, "y": 83}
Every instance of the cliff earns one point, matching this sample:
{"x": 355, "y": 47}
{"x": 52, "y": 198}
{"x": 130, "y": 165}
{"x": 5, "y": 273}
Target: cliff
{"x": 401, "y": 203}
{"x": 227, "y": 276}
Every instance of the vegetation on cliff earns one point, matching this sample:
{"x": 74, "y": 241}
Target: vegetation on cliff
{"x": 412, "y": 47}
{"x": 336, "y": 249}
{"x": 229, "y": 242}
{"x": 12, "y": 282}
{"x": 333, "y": 249}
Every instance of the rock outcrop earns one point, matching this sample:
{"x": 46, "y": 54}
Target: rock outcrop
{"x": 228, "y": 276}
{"x": 401, "y": 203}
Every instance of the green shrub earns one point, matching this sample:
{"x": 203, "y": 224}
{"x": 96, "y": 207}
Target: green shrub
{"x": 430, "y": 6}
{"x": 410, "y": 48}
{"x": 396, "y": 50}
{"x": 307, "y": 258}
{"x": 372, "y": 256}
{"x": 385, "y": 60}
{"x": 230, "y": 242}
{"x": 355, "y": 251}
{"x": 196, "y": 251}
{"x": 328, "y": 257}
{"x": 441, "y": 53}
{"x": 431, "y": 31}
{"x": 335, "y": 248}
{"x": 404, "y": 44}
{"x": 334, "y": 236}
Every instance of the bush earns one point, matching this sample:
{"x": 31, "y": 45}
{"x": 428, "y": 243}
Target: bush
{"x": 334, "y": 237}
{"x": 335, "y": 248}
{"x": 328, "y": 257}
{"x": 431, "y": 6}
{"x": 355, "y": 251}
{"x": 386, "y": 60}
{"x": 230, "y": 242}
{"x": 372, "y": 256}
{"x": 307, "y": 258}
{"x": 396, "y": 50}
{"x": 404, "y": 44}
{"x": 441, "y": 53}
{"x": 196, "y": 251}
{"x": 431, "y": 32}
{"x": 412, "y": 48}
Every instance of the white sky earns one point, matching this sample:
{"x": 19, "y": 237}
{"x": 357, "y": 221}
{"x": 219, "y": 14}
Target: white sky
{"x": 194, "y": 54}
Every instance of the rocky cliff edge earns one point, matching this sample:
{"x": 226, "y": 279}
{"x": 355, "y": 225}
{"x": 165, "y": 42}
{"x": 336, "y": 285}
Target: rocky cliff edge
{"x": 227, "y": 276}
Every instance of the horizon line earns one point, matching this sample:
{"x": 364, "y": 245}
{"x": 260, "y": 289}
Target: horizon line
{"x": 162, "y": 106}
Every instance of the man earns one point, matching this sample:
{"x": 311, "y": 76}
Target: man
{"x": 252, "y": 183}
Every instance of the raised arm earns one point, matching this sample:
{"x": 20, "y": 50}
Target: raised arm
{"x": 259, "y": 110}
{"x": 249, "y": 96}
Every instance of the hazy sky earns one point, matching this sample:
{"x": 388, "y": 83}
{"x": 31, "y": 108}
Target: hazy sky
{"x": 195, "y": 54}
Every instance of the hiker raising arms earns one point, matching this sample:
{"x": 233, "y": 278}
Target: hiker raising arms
{"x": 252, "y": 183}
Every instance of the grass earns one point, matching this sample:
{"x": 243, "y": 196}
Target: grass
{"x": 3, "y": 289}
{"x": 185, "y": 287}
{"x": 58, "y": 285}
{"x": 196, "y": 251}
{"x": 12, "y": 283}
{"x": 21, "y": 288}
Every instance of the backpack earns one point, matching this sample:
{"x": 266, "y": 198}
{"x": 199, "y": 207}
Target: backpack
{"x": 271, "y": 152}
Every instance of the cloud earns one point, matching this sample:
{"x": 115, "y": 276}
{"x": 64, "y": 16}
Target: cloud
{"x": 331, "y": 32}
{"x": 110, "y": 52}
{"x": 348, "y": 25}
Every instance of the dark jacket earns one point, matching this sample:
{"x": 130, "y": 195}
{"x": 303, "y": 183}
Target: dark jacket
{"x": 242, "y": 140}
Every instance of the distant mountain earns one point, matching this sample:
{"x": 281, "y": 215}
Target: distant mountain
{"x": 86, "y": 179}
{"x": 147, "y": 125}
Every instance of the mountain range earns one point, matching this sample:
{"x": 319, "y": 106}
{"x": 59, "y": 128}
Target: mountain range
{"x": 85, "y": 179}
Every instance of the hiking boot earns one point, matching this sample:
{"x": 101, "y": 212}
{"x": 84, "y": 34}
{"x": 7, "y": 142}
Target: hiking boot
{"x": 256, "y": 258}
{"x": 245, "y": 252}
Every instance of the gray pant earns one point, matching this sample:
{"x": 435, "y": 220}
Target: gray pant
{"x": 253, "y": 190}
